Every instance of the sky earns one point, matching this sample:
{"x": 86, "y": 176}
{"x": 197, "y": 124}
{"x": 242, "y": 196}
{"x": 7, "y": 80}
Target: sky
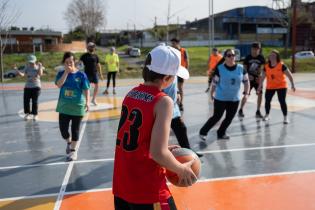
{"x": 121, "y": 14}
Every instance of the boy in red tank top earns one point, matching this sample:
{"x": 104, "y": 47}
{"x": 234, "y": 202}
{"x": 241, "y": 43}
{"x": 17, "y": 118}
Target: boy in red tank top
{"x": 142, "y": 150}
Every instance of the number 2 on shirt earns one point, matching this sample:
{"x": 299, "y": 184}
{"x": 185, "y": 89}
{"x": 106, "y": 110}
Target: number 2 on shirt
{"x": 134, "y": 119}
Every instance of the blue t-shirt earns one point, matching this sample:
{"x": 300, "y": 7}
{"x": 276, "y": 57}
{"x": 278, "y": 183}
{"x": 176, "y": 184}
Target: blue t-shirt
{"x": 229, "y": 84}
{"x": 71, "y": 98}
{"x": 172, "y": 92}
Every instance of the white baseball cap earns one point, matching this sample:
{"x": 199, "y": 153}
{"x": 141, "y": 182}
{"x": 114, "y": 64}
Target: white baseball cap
{"x": 166, "y": 60}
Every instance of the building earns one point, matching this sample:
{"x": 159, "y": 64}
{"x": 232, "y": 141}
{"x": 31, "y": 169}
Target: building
{"x": 245, "y": 25}
{"x": 30, "y": 41}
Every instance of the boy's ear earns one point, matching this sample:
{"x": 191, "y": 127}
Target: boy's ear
{"x": 167, "y": 78}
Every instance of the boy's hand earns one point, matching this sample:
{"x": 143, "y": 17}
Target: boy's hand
{"x": 187, "y": 177}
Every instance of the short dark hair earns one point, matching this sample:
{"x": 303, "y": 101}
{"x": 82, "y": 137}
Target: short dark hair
{"x": 67, "y": 55}
{"x": 147, "y": 74}
{"x": 176, "y": 40}
{"x": 256, "y": 45}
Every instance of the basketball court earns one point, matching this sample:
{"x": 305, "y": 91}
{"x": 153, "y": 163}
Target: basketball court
{"x": 264, "y": 166}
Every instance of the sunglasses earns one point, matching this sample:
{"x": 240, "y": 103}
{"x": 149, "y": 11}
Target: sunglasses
{"x": 230, "y": 55}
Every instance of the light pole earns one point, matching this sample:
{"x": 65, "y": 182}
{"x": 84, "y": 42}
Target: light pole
{"x": 211, "y": 26}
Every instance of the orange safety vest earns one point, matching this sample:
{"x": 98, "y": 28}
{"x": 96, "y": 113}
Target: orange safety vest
{"x": 184, "y": 59}
{"x": 275, "y": 77}
{"x": 213, "y": 61}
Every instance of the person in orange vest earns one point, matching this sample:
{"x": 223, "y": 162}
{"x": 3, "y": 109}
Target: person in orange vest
{"x": 213, "y": 61}
{"x": 275, "y": 72}
{"x": 185, "y": 63}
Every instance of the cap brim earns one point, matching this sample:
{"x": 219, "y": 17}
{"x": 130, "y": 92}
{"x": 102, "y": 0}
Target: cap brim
{"x": 183, "y": 73}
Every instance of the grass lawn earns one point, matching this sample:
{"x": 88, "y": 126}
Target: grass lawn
{"x": 198, "y": 57}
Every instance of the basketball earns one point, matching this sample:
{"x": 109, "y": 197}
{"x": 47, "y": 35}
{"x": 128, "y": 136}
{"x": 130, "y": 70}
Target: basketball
{"x": 184, "y": 155}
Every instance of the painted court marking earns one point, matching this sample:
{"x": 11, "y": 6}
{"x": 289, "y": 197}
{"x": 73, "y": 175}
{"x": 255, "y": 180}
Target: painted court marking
{"x": 69, "y": 170}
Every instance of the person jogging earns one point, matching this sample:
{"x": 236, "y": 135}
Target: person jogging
{"x": 275, "y": 72}
{"x": 73, "y": 102}
{"x": 92, "y": 68}
{"x": 142, "y": 150}
{"x": 225, "y": 90}
{"x": 253, "y": 64}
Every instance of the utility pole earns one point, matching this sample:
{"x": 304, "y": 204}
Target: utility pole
{"x": 168, "y": 20}
{"x": 294, "y": 17}
{"x": 211, "y": 26}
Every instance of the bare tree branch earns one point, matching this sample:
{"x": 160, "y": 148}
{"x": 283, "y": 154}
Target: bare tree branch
{"x": 87, "y": 14}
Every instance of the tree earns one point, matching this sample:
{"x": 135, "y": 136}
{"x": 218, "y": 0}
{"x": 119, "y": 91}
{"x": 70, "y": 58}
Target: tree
{"x": 86, "y": 14}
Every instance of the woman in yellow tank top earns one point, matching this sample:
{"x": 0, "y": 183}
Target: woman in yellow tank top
{"x": 276, "y": 72}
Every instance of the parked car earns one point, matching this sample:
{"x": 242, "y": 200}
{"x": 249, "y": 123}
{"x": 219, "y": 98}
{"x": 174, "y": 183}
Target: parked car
{"x": 304, "y": 54}
{"x": 12, "y": 72}
{"x": 135, "y": 52}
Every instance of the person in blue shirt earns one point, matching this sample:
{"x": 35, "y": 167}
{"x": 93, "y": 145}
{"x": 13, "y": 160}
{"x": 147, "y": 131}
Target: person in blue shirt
{"x": 226, "y": 93}
{"x": 178, "y": 126}
{"x": 73, "y": 102}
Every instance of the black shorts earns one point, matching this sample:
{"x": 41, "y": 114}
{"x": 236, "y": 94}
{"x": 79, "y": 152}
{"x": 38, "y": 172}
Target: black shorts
{"x": 121, "y": 204}
{"x": 180, "y": 80}
{"x": 254, "y": 84}
{"x": 93, "y": 78}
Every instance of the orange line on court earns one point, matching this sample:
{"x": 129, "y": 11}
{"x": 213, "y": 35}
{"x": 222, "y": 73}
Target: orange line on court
{"x": 277, "y": 192}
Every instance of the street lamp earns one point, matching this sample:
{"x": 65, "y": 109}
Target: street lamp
{"x": 211, "y": 26}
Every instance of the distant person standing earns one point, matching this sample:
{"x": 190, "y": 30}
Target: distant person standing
{"x": 254, "y": 64}
{"x": 185, "y": 63}
{"x": 73, "y": 102}
{"x": 33, "y": 71}
{"x": 112, "y": 66}
{"x": 225, "y": 90}
{"x": 92, "y": 68}
{"x": 213, "y": 61}
{"x": 276, "y": 71}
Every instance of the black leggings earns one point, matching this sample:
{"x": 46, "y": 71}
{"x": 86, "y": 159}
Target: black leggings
{"x": 282, "y": 93}
{"x": 219, "y": 108}
{"x": 121, "y": 204}
{"x": 31, "y": 93}
{"x": 109, "y": 75}
{"x": 180, "y": 130}
{"x": 64, "y": 121}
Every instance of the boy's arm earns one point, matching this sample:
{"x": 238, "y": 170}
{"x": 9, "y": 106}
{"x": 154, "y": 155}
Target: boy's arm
{"x": 159, "y": 142}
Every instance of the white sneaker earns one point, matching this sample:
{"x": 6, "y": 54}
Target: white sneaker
{"x": 266, "y": 118}
{"x": 285, "y": 120}
{"x": 35, "y": 117}
{"x": 72, "y": 156}
{"x": 94, "y": 102}
{"x": 26, "y": 116}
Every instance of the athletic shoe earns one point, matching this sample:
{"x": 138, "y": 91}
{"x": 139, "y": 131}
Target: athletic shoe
{"x": 94, "y": 102}
{"x": 266, "y": 118}
{"x": 259, "y": 115}
{"x": 35, "y": 117}
{"x": 72, "y": 155}
{"x": 105, "y": 92}
{"x": 207, "y": 90}
{"x": 285, "y": 120}
{"x": 203, "y": 137}
{"x": 68, "y": 149}
{"x": 224, "y": 137}
{"x": 27, "y": 117}
{"x": 240, "y": 113}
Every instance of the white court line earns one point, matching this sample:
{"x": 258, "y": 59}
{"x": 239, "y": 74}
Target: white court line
{"x": 69, "y": 170}
{"x": 199, "y": 181}
{"x": 202, "y": 152}
{"x": 55, "y": 164}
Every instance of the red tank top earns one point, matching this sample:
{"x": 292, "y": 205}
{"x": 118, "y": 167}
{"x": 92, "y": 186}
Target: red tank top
{"x": 137, "y": 177}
